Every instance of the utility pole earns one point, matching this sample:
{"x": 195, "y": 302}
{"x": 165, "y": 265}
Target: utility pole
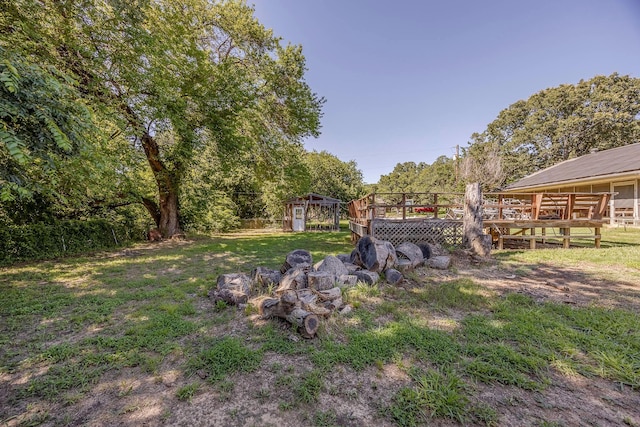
{"x": 457, "y": 159}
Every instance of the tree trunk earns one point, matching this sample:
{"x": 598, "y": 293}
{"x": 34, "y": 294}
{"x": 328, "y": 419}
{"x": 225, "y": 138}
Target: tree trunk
{"x": 168, "y": 184}
{"x": 169, "y": 214}
{"x": 473, "y": 237}
{"x": 153, "y": 209}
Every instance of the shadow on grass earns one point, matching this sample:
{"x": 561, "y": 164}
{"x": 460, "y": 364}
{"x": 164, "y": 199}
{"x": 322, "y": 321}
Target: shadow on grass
{"x": 80, "y": 318}
{"x": 577, "y": 283}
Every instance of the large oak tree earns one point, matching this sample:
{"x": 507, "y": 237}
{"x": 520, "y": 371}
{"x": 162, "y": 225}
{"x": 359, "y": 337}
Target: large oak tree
{"x": 175, "y": 77}
{"x": 557, "y": 124}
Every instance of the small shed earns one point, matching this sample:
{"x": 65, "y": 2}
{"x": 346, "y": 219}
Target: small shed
{"x": 312, "y": 212}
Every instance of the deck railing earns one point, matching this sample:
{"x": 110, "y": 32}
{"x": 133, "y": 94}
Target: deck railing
{"x": 496, "y": 206}
{"x": 438, "y": 217}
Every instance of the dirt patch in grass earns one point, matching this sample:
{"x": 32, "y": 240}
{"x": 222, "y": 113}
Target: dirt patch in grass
{"x": 580, "y": 286}
{"x": 575, "y": 401}
{"x": 150, "y": 387}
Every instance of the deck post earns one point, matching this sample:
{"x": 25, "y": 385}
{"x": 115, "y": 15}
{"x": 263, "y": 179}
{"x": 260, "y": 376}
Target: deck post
{"x": 532, "y": 241}
{"x": 435, "y": 203}
{"x": 571, "y": 203}
{"x": 566, "y": 239}
{"x": 612, "y": 212}
{"x": 372, "y": 209}
{"x": 536, "y": 202}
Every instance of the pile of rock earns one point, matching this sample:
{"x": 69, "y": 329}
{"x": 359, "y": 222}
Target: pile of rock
{"x": 304, "y": 292}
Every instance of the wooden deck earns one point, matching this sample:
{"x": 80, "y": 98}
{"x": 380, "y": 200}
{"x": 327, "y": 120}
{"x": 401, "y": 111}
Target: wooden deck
{"x": 508, "y": 217}
{"x": 548, "y": 229}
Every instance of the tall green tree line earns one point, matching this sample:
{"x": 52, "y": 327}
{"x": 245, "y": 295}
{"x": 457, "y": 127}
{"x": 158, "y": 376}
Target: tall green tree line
{"x": 551, "y": 126}
{"x": 554, "y": 125}
{"x": 192, "y": 98}
{"x": 410, "y": 177}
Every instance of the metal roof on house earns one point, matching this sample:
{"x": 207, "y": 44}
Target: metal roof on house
{"x": 612, "y": 162}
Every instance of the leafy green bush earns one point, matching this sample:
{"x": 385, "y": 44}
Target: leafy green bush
{"x": 62, "y": 238}
{"x": 213, "y": 214}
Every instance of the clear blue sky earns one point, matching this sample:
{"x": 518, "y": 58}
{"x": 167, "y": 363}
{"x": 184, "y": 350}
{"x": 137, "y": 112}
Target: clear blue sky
{"x": 408, "y": 80}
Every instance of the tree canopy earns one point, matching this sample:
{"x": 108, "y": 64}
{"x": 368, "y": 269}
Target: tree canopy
{"x": 332, "y": 177}
{"x": 173, "y": 79}
{"x": 557, "y": 124}
{"x": 411, "y": 177}
{"x": 551, "y": 126}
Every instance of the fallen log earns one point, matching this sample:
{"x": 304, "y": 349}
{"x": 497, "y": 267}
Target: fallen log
{"x": 439, "y": 262}
{"x": 231, "y": 288}
{"x": 306, "y": 322}
{"x": 426, "y": 250}
{"x": 229, "y": 296}
{"x": 308, "y": 300}
{"x": 348, "y": 279}
{"x": 366, "y": 276}
{"x": 320, "y": 280}
{"x": 410, "y": 251}
{"x": 295, "y": 278}
{"x": 403, "y": 265}
{"x": 394, "y": 277}
{"x": 329, "y": 294}
{"x": 375, "y": 255}
{"x": 298, "y": 258}
{"x": 305, "y": 296}
{"x": 289, "y": 307}
{"x": 331, "y": 299}
{"x": 265, "y": 276}
{"x": 333, "y": 305}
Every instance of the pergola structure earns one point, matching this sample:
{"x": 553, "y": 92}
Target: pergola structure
{"x": 312, "y": 212}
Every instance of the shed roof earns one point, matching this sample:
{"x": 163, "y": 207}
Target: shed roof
{"x": 614, "y": 161}
{"x": 314, "y": 198}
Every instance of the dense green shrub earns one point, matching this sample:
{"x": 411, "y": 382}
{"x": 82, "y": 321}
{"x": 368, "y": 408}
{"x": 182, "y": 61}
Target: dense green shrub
{"x": 62, "y": 238}
{"x": 212, "y": 214}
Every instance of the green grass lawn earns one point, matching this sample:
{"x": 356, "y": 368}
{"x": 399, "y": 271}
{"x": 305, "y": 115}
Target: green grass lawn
{"x": 70, "y": 327}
